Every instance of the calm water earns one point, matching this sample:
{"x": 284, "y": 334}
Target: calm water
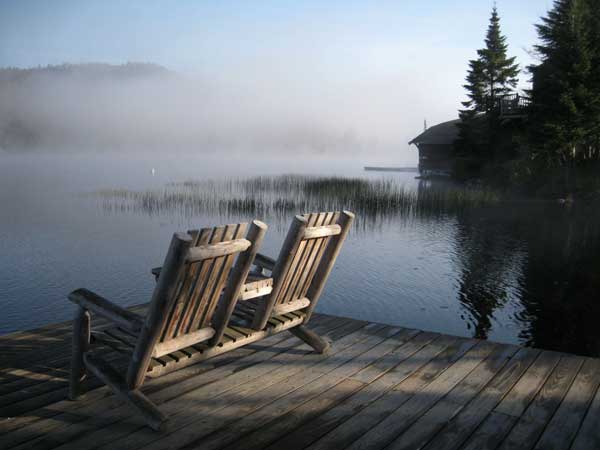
{"x": 528, "y": 273}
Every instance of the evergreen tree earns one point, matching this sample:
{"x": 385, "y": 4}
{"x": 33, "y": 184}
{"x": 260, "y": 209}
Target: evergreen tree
{"x": 499, "y": 71}
{"x": 565, "y": 119}
{"x": 470, "y": 137}
{"x": 492, "y": 75}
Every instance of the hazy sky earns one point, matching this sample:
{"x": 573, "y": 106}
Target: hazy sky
{"x": 405, "y": 59}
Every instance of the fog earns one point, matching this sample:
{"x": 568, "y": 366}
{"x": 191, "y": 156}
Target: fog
{"x": 143, "y": 107}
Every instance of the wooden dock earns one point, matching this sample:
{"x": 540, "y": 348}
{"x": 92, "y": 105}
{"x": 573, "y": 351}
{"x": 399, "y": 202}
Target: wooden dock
{"x": 380, "y": 387}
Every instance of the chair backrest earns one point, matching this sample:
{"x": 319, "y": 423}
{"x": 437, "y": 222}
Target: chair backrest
{"x": 306, "y": 258}
{"x": 197, "y": 275}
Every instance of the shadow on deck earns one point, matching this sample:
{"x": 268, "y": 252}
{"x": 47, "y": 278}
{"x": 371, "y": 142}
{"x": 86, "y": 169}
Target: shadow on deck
{"x": 380, "y": 387}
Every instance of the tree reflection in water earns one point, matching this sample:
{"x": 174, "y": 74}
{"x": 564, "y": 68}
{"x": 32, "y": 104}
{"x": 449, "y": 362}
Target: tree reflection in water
{"x": 543, "y": 256}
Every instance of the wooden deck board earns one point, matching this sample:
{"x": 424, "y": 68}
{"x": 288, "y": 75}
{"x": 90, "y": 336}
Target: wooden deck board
{"x": 379, "y": 387}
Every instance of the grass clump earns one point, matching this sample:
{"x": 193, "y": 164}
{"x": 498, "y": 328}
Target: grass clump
{"x": 273, "y": 196}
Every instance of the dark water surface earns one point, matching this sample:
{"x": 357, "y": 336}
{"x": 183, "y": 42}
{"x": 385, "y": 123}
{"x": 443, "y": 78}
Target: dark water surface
{"x": 526, "y": 273}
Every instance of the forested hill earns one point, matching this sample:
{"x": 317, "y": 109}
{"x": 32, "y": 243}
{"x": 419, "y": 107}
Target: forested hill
{"x": 45, "y": 107}
{"x": 145, "y": 107}
{"x": 89, "y": 72}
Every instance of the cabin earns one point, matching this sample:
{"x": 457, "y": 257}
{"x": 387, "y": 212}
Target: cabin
{"x": 436, "y": 144}
{"x": 436, "y": 147}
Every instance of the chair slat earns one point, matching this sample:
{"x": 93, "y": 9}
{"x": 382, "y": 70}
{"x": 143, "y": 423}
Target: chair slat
{"x": 218, "y": 289}
{"x": 183, "y": 290}
{"x": 200, "y": 293}
{"x": 296, "y": 266}
{"x": 172, "y": 345}
{"x": 304, "y": 263}
{"x": 202, "y": 284}
{"x": 327, "y": 261}
{"x": 319, "y": 251}
{"x": 314, "y": 221}
{"x": 196, "y": 275}
{"x": 315, "y": 246}
{"x": 212, "y": 281}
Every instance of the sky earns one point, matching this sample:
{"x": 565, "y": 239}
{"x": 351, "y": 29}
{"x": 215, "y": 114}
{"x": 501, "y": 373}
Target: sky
{"x": 384, "y": 65}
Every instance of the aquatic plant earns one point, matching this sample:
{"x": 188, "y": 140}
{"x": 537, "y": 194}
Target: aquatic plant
{"x": 279, "y": 196}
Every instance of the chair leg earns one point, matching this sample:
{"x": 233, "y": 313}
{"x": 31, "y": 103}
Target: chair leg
{"x": 142, "y": 404}
{"x": 133, "y": 397}
{"x": 319, "y": 344}
{"x": 81, "y": 343}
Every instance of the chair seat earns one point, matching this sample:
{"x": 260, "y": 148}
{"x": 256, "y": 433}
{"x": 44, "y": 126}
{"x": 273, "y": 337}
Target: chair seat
{"x": 116, "y": 344}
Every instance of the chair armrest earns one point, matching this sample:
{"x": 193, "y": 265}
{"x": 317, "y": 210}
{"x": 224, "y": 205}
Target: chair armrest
{"x": 103, "y": 307}
{"x": 156, "y": 272}
{"x": 264, "y": 262}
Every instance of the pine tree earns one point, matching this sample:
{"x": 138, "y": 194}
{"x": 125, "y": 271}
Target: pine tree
{"x": 500, "y": 72}
{"x": 492, "y": 75}
{"x": 475, "y": 87}
{"x": 470, "y": 139}
{"x": 594, "y": 80}
{"x": 565, "y": 120}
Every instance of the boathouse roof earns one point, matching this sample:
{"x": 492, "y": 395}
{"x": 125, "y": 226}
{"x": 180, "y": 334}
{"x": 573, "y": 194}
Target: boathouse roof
{"x": 442, "y": 134}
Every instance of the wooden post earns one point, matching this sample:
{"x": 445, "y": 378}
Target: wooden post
{"x": 81, "y": 343}
{"x": 327, "y": 262}
{"x": 311, "y": 338}
{"x": 160, "y": 305}
{"x": 286, "y": 255}
{"x": 237, "y": 279}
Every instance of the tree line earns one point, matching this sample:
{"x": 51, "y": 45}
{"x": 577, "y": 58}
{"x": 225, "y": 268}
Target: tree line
{"x": 560, "y": 125}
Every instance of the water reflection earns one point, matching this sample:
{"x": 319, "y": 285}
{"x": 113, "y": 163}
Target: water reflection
{"x": 543, "y": 260}
{"x": 489, "y": 260}
{"x": 561, "y": 278}
{"x": 428, "y": 255}
{"x": 530, "y": 263}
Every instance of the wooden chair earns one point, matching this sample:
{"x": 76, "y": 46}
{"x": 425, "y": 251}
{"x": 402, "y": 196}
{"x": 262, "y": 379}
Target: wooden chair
{"x": 282, "y": 294}
{"x": 299, "y": 274}
{"x": 196, "y": 293}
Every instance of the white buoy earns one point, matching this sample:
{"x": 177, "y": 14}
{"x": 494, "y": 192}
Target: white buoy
{"x": 153, "y": 171}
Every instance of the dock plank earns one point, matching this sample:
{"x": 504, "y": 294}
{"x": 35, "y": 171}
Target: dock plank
{"x": 531, "y": 424}
{"x": 398, "y": 421}
{"x": 460, "y": 427}
{"x": 384, "y": 381}
{"x": 284, "y": 397}
{"x": 562, "y": 428}
{"x": 380, "y": 387}
{"x": 106, "y": 423}
{"x": 425, "y": 428}
{"x": 418, "y": 370}
{"x": 519, "y": 397}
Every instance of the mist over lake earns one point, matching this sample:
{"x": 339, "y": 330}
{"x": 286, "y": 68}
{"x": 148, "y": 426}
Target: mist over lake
{"x": 147, "y": 108}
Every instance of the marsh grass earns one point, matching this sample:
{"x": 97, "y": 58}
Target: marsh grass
{"x": 278, "y": 196}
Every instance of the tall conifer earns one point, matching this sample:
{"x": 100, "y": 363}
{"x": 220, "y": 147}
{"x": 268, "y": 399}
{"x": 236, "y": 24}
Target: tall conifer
{"x": 565, "y": 119}
{"x": 492, "y": 75}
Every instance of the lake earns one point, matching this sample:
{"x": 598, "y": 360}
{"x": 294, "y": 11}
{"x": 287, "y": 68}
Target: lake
{"x": 525, "y": 272}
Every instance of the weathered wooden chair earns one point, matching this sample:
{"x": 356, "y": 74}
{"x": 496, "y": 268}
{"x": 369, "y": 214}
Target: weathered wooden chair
{"x": 195, "y": 313}
{"x": 195, "y": 295}
{"x": 298, "y": 276}
{"x": 282, "y": 294}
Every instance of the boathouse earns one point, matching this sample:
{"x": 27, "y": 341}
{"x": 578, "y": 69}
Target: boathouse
{"x": 436, "y": 147}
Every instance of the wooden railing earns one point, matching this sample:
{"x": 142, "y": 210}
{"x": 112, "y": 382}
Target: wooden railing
{"x": 513, "y": 105}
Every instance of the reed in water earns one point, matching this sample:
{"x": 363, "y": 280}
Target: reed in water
{"x": 277, "y": 196}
